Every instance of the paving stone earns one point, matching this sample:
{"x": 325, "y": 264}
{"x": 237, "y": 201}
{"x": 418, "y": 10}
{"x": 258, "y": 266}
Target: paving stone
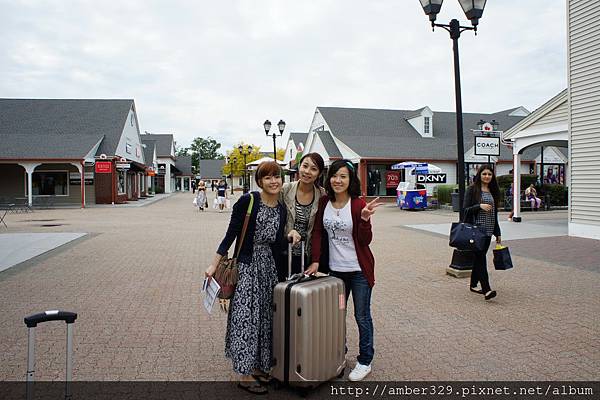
{"x": 135, "y": 282}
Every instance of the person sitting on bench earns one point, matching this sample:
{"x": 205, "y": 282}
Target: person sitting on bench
{"x": 531, "y": 195}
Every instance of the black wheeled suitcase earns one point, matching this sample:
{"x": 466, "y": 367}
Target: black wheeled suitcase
{"x": 309, "y": 329}
{"x": 31, "y": 322}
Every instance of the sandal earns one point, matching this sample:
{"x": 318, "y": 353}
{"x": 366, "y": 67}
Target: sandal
{"x": 262, "y": 378}
{"x": 253, "y": 387}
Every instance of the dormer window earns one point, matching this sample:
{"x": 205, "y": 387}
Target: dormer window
{"x": 426, "y": 125}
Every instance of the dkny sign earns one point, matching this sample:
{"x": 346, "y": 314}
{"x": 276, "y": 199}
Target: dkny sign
{"x": 431, "y": 178}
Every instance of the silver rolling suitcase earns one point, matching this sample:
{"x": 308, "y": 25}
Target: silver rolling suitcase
{"x": 31, "y": 322}
{"x": 309, "y": 329}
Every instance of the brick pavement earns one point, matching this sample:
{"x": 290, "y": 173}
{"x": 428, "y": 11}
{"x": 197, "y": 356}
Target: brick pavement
{"x": 135, "y": 283}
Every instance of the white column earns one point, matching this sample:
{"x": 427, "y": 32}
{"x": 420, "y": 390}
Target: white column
{"x": 29, "y": 168}
{"x": 168, "y": 178}
{"x": 82, "y": 174}
{"x": 181, "y": 180}
{"x": 516, "y": 185}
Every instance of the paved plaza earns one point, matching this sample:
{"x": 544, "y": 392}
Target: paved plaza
{"x": 134, "y": 278}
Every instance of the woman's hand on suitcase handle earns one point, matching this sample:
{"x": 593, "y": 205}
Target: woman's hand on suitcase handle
{"x": 294, "y": 237}
{"x": 312, "y": 269}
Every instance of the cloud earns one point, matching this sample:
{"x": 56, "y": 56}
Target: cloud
{"x": 221, "y": 68}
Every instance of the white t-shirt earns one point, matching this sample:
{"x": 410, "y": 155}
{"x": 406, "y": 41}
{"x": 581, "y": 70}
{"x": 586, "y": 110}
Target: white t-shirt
{"x": 338, "y": 224}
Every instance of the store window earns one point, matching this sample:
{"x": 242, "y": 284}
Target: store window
{"x": 50, "y": 183}
{"x": 121, "y": 176}
{"x": 382, "y": 180}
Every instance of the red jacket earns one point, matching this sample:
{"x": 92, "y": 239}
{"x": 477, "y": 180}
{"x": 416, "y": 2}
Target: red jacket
{"x": 361, "y": 233}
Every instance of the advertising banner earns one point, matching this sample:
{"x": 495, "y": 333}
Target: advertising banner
{"x": 392, "y": 179}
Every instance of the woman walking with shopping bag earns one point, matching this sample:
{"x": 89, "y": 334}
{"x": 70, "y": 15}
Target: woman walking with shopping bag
{"x": 249, "y": 337}
{"x": 481, "y": 208}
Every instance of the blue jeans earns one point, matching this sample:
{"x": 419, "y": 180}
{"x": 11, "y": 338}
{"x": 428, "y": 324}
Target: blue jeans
{"x": 356, "y": 283}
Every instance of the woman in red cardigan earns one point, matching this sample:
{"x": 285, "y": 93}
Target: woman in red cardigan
{"x": 340, "y": 245}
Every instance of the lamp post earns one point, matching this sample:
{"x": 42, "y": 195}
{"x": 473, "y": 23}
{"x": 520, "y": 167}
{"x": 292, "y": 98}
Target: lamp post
{"x": 245, "y": 151}
{"x": 281, "y": 126}
{"x": 232, "y": 162}
{"x": 473, "y": 10}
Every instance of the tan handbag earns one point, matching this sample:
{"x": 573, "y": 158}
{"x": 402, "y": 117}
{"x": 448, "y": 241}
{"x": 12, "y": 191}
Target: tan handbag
{"x": 226, "y": 273}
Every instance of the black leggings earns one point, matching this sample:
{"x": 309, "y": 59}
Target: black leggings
{"x": 479, "y": 273}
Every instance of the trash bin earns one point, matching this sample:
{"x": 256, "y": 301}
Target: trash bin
{"x": 455, "y": 202}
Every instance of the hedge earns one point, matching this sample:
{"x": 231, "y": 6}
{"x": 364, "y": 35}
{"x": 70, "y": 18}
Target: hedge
{"x": 443, "y": 193}
{"x": 557, "y": 194}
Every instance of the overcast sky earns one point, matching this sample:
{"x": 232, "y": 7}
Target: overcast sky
{"x": 220, "y": 68}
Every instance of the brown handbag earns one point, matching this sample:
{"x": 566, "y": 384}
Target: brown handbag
{"x": 226, "y": 273}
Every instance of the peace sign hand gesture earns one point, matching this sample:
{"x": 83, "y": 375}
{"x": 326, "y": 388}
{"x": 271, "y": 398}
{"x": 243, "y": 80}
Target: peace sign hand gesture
{"x": 369, "y": 209}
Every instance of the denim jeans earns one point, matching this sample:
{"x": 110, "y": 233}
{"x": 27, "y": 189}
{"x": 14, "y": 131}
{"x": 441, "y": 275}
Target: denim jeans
{"x": 356, "y": 283}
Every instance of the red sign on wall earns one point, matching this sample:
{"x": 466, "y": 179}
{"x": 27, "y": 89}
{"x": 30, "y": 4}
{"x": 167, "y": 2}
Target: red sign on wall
{"x": 103, "y": 167}
{"x": 392, "y": 179}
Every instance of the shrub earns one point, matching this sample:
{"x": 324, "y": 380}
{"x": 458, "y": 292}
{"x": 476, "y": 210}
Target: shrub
{"x": 556, "y": 194}
{"x": 443, "y": 193}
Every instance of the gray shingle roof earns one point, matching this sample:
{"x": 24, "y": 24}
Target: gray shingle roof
{"x": 67, "y": 146}
{"x": 330, "y": 146}
{"x": 164, "y": 143}
{"x": 184, "y": 165}
{"x": 299, "y": 137}
{"x": 212, "y": 169}
{"x": 376, "y": 133}
{"x": 64, "y": 126}
{"x": 149, "y": 151}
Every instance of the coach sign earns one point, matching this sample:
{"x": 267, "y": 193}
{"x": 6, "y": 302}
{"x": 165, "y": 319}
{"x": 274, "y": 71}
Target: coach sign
{"x": 487, "y": 146}
{"x": 431, "y": 178}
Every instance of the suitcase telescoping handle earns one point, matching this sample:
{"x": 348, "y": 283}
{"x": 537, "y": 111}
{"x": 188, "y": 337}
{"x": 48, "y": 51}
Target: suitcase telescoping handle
{"x": 289, "y": 275}
{"x": 54, "y": 315}
{"x": 31, "y": 322}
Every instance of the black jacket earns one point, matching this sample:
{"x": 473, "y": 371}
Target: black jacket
{"x": 236, "y": 224}
{"x": 472, "y": 208}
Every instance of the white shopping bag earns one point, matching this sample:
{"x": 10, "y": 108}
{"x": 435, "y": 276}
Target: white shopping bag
{"x": 195, "y": 202}
{"x": 215, "y": 204}
{"x": 227, "y": 203}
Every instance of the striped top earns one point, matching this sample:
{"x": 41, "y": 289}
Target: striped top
{"x": 487, "y": 219}
{"x": 301, "y": 224}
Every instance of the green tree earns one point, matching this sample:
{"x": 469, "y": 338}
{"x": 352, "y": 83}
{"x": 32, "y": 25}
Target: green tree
{"x": 204, "y": 149}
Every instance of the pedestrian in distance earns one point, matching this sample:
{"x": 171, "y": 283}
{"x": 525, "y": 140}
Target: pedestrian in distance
{"x": 509, "y": 199}
{"x": 301, "y": 199}
{"x": 221, "y": 195}
{"x": 201, "y": 198}
{"x": 212, "y": 186}
{"x": 481, "y": 208}
{"x": 340, "y": 245}
{"x": 249, "y": 337}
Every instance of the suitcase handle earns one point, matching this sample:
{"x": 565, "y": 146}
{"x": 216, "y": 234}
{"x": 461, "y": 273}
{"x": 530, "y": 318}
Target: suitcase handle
{"x": 52, "y": 315}
{"x": 290, "y": 257}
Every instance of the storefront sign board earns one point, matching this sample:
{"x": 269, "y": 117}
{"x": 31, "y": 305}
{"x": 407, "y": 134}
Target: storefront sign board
{"x": 103, "y": 167}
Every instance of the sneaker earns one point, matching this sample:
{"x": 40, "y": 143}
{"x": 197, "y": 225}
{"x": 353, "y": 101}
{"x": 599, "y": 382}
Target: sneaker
{"x": 359, "y": 372}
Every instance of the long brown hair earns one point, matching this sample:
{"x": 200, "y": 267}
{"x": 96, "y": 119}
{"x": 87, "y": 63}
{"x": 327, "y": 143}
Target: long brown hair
{"x": 493, "y": 185}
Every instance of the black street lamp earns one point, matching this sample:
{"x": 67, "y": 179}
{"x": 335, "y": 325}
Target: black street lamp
{"x": 245, "y": 151}
{"x": 473, "y": 10}
{"x": 232, "y": 161}
{"x": 281, "y": 126}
